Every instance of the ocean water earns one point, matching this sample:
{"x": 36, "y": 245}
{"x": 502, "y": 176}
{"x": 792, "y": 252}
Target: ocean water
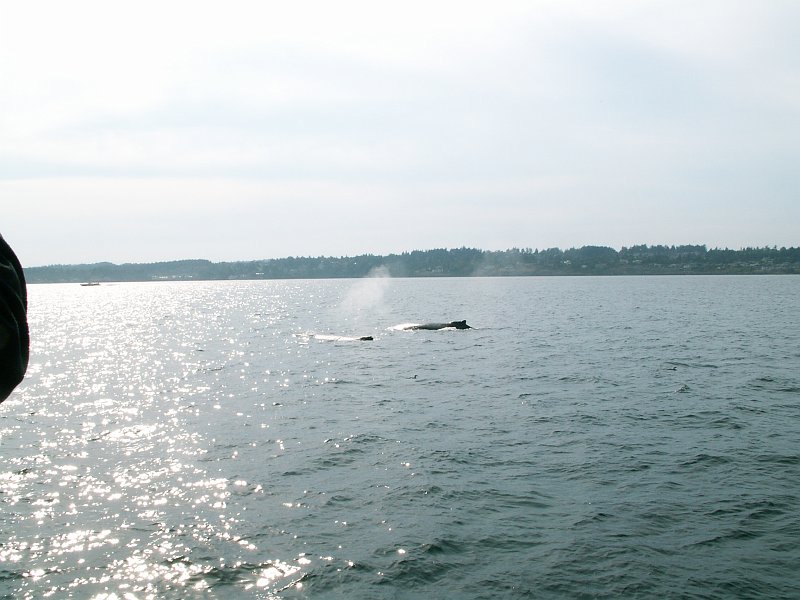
{"x": 589, "y": 438}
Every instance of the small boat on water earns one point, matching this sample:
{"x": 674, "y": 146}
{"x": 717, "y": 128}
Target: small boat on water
{"x": 90, "y": 284}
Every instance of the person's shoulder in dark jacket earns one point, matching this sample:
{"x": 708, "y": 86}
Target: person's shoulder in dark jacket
{"x": 14, "y": 340}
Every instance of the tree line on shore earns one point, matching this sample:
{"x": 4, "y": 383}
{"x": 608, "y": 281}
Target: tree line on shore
{"x": 457, "y": 262}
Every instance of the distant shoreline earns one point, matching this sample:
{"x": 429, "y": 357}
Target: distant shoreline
{"x": 459, "y": 262}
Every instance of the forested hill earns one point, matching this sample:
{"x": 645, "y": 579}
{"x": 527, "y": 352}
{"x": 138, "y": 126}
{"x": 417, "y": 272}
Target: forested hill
{"x": 460, "y": 262}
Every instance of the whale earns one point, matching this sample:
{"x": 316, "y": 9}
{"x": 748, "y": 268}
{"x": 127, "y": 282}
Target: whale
{"x": 344, "y": 338}
{"x": 437, "y": 326}
{"x": 334, "y": 338}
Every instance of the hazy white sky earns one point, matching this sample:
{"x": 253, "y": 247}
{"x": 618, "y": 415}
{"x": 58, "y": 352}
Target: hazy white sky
{"x": 236, "y": 130}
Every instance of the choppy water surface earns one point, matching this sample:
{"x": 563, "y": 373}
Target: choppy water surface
{"x": 592, "y": 437}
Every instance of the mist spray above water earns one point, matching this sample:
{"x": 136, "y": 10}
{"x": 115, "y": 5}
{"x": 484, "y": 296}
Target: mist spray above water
{"x": 365, "y": 300}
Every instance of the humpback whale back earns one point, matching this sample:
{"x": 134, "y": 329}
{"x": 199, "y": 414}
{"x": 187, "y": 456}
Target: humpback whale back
{"x": 437, "y": 326}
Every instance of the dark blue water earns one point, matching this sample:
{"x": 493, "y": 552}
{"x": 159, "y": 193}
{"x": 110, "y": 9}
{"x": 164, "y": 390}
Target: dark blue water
{"x": 591, "y": 437}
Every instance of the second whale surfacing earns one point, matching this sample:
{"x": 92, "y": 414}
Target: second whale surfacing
{"x": 437, "y": 326}
{"x": 334, "y": 338}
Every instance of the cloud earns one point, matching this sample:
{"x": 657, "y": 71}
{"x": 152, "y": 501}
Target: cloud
{"x": 218, "y": 129}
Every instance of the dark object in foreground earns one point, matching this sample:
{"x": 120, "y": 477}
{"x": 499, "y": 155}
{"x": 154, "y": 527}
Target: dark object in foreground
{"x": 435, "y": 326}
{"x": 14, "y": 340}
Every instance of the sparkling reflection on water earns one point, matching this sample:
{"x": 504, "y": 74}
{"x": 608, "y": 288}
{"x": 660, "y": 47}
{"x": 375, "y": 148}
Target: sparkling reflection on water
{"x": 111, "y": 487}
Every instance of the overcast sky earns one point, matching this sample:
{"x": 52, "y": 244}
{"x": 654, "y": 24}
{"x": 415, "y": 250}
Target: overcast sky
{"x": 146, "y": 131}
